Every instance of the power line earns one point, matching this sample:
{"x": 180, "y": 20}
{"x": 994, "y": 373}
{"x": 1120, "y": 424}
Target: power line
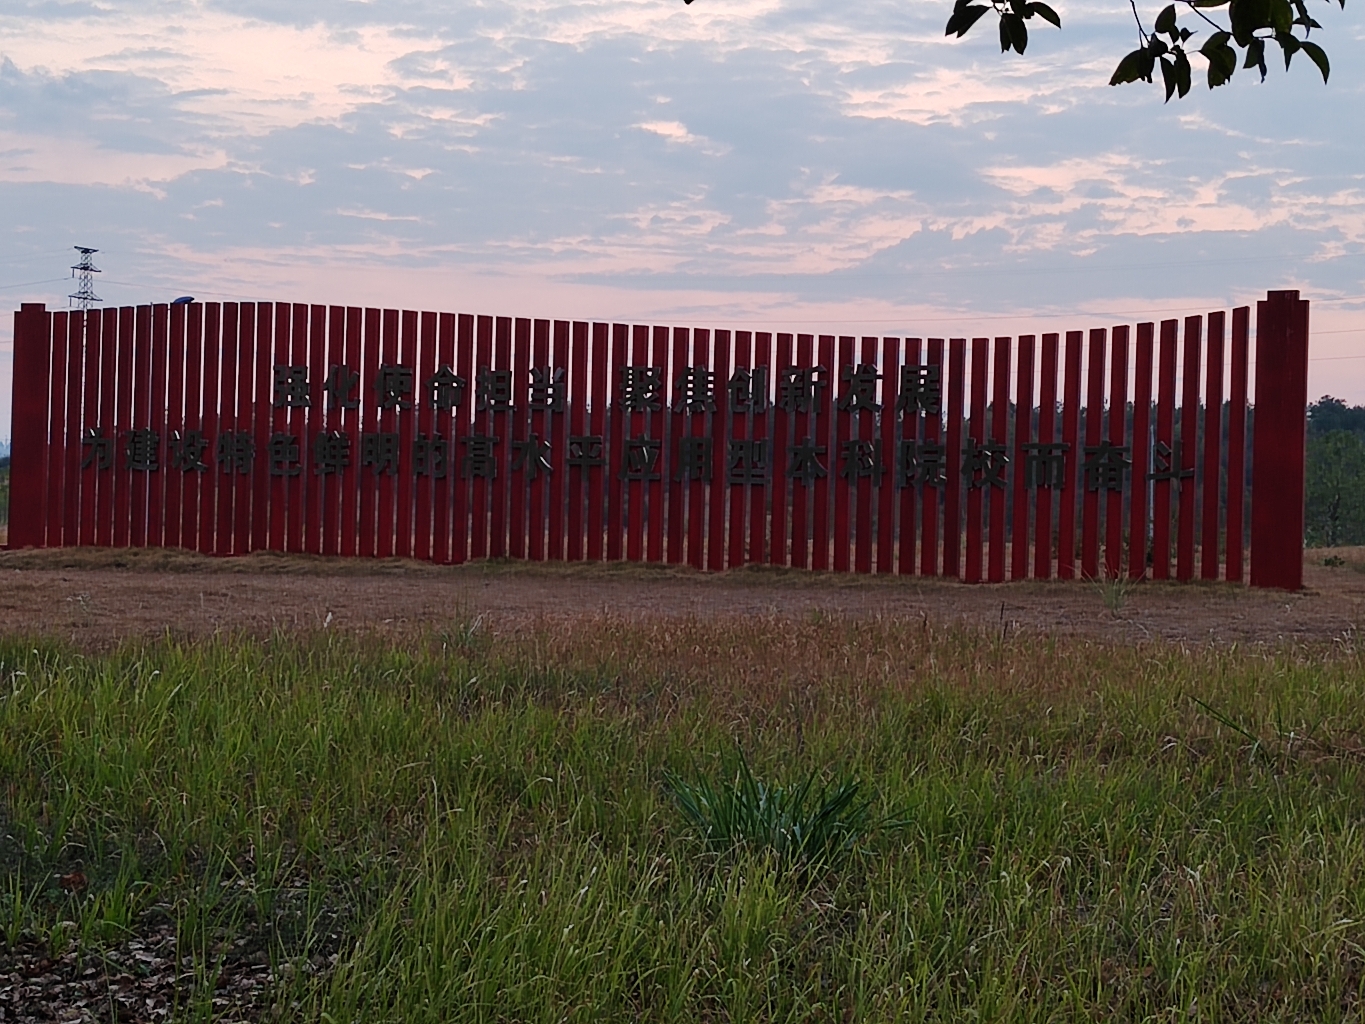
{"x": 29, "y": 284}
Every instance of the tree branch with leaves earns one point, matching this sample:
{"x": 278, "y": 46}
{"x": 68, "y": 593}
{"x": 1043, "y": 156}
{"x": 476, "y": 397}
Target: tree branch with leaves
{"x": 1240, "y": 29}
{"x": 1249, "y": 26}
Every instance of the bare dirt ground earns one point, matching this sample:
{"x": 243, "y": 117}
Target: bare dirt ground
{"x": 96, "y": 597}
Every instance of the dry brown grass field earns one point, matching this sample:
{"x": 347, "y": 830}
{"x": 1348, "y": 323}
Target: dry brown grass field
{"x": 101, "y": 596}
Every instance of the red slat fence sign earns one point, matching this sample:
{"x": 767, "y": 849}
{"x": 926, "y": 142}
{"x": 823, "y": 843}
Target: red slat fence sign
{"x": 238, "y": 427}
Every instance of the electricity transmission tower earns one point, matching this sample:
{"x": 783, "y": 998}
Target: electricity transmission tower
{"x": 84, "y": 296}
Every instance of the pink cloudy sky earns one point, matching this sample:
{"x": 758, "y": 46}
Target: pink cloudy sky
{"x": 729, "y": 163}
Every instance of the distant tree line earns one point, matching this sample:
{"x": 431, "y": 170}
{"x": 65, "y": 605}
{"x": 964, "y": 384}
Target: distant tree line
{"x": 1335, "y": 513}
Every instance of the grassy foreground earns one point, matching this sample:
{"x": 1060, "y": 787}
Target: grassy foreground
{"x": 475, "y": 827}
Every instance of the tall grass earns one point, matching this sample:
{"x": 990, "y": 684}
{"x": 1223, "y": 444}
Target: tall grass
{"x": 476, "y": 826}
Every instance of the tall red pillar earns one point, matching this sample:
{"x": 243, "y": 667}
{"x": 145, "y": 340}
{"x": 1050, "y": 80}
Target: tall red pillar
{"x": 29, "y": 424}
{"x": 1278, "y": 444}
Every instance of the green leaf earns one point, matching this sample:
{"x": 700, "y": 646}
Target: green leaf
{"x": 1013, "y": 33}
{"x": 963, "y": 18}
{"x": 1256, "y": 56}
{"x": 1169, "y": 78}
{"x": 1318, "y": 56}
{"x": 1046, "y": 13}
{"x": 1182, "y": 69}
{"x": 1137, "y": 65}
{"x": 1221, "y": 57}
{"x": 1165, "y": 22}
{"x": 1246, "y": 16}
{"x": 1157, "y": 46}
{"x": 1281, "y": 15}
{"x": 1289, "y": 45}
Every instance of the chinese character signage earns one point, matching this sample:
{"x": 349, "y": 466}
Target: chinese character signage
{"x": 235, "y": 427}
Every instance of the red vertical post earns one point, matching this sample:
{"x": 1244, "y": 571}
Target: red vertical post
{"x": 1023, "y": 435}
{"x": 123, "y": 419}
{"x": 1043, "y": 478}
{"x": 547, "y": 490}
{"x": 1189, "y": 448}
{"x": 556, "y": 434}
{"x": 371, "y": 346}
{"x": 866, "y": 422}
{"x": 273, "y": 359}
{"x": 141, "y": 420}
{"x": 404, "y": 415}
{"x": 1237, "y": 422}
{"x": 776, "y": 482}
{"x": 384, "y": 469}
{"x": 262, "y": 417}
{"x": 483, "y": 427}
{"x": 583, "y": 401}
{"x": 1118, "y": 427}
{"x": 801, "y": 435}
{"x": 1278, "y": 439}
{"x": 1071, "y": 418}
{"x": 502, "y": 419}
{"x": 658, "y": 427}
{"x": 637, "y": 435}
{"x": 621, "y": 428}
{"x": 1213, "y": 447}
{"x": 783, "y": 430}
{"x": 823, "y": 432}
{"x": 952, "y": 498}
{"x": 842, "y": 384}
{"x": 328, "y": 421}
{"x": 697, "y": 429}
{"x": 678, "y": 428}
{"x": 461, "y": 514}
{"x": 90, "y": 419}
{"x": 191, "y": 477}
{"x": 976, "y": 478}
{"x": 517, "y": 426}
{"x": 542, "y": 430}
{"x": 297, "y": 429}
{"x": 932, "y": 490}
{"x": 887, "y": 491}
{"x": 1166, "y": 467}
{"x": 246, "y": 400}
{"x": 156, "y": 496}
{"x": 1000, "y": 411}
{"x": 443, "y": 433}
{"x": 226, "y": 424}
{"x": 719, "y": 362}
{"x": 349, "y": 424}
{"x": 595, "y": 483}
{"x": 740, "y": 418}
{"x": 71, "y": 430}
{"x": 208, "y": 426}
{"x": 1142, "y": 446}
{"x": 54, "y": 454}
{"x": 428, "y": 483}
{"x": 175, "y": 425}
{"x": 29, "y": 417}
{"x": 386, "y": 516}
{"x": 311, "y": 483}
{"x": 909, "y": 419}
{"x": 1094, "y": 427}
{"x": 109, "y": 425}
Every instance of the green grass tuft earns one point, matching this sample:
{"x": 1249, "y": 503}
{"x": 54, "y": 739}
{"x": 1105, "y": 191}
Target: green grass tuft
{"x": 798, "y": 825}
